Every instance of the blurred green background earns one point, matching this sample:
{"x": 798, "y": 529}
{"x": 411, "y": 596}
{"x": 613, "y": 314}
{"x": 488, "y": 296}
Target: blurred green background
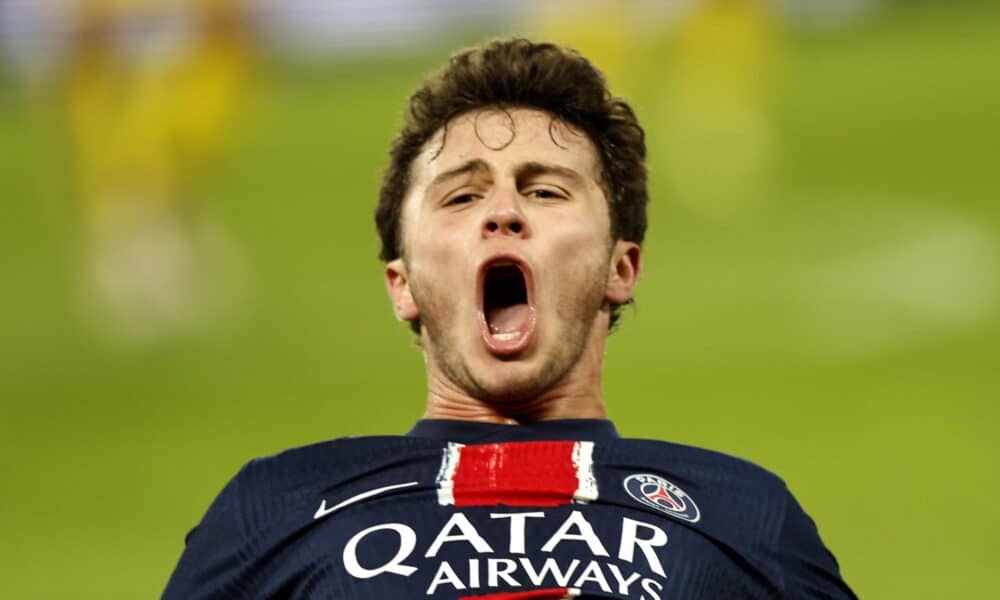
{"x": 820, "y": 292}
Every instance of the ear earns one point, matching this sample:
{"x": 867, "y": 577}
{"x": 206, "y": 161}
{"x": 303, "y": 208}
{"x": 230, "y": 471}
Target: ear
{"x": 624, "y": 272}
{"x": 398, "y": 285}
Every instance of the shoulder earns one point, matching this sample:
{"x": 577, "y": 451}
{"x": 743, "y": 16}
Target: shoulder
{"x": 749, "y": 508}
{"x": 269, "y": 488}
{"x": 268, "y": 501}
{"x": 734, "y": 501}
{"x": 326, "y": 463}
{"x": 706, "y": 467}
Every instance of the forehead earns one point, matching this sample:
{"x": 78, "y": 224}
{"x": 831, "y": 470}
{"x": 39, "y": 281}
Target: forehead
{"x": 504, "y": 138}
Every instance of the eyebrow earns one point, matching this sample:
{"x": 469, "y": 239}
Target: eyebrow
{"x": 533, "y": 169}
{"x": 523, "y": 171}
{"x": 469, "y": 166}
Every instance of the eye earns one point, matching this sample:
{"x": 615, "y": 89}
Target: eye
{"x": 460, "y": 199}
{"x": 546, "y": 194}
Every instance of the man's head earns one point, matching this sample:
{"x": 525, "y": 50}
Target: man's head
{"x": 511, "y": 215}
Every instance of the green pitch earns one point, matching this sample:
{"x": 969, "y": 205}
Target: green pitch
{"x": 840, "y": 325}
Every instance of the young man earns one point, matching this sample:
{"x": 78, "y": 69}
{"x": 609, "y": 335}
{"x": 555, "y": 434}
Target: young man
{"x": 511, "y": 219}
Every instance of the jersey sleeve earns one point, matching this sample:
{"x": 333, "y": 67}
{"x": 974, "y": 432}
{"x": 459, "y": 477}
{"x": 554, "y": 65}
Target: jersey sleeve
{"x": 211, "y": 562}
{"x": 808, "y": 567}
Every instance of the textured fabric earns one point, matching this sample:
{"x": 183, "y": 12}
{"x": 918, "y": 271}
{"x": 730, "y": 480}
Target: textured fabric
{"x": 463, "y": 511}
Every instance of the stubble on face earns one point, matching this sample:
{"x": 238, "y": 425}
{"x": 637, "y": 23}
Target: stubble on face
{"x": 577, "y": 309}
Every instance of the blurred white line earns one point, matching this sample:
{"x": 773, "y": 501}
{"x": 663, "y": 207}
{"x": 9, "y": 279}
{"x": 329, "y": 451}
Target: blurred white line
{"x": 940, "y": 276}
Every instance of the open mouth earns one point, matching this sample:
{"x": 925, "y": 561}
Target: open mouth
{"x": 507, "y": 314}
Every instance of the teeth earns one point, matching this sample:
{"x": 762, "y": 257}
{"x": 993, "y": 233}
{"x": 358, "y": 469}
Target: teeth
{"x": 506, "y": 337}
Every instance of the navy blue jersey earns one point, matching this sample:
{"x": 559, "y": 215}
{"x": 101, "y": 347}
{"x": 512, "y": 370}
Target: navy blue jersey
{"x": 460, "y": 511}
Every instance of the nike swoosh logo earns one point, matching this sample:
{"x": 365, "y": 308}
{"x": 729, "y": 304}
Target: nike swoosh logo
{"x": 323, "y": 511}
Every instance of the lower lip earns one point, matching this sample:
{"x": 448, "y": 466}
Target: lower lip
{"x": 505, "y": 348}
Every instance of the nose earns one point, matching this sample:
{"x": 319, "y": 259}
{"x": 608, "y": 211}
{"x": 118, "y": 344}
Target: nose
{"x": 505, "y": 218}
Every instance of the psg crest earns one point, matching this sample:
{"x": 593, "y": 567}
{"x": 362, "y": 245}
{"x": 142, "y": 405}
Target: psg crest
{"x": 658, "y": 493}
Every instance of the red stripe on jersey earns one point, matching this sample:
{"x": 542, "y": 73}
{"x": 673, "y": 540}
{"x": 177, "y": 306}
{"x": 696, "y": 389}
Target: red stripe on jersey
{"x": 516, "y": 474}
{"x": 550, "y": 594}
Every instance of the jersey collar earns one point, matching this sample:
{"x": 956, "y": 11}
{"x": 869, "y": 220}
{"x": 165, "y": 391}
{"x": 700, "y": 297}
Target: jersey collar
{"x": 469, "y": 432}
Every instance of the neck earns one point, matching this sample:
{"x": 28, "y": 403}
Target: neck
{"x": 577, "y": 395}
{"x": 548, "y": 406}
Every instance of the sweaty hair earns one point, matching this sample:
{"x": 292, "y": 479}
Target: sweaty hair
{"x": 518, "y": 73}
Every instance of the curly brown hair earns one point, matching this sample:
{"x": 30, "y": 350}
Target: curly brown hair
{"x": 517, "y": 72}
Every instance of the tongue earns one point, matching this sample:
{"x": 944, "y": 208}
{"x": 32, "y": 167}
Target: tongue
{"x": 508, "y": 319}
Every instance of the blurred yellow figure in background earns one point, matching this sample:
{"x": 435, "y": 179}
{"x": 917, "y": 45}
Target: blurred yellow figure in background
{"x": 598, "y": 29}
{"x": 153, "y": 86}
{"x": 718, "y": 142}
{"x": 707, "y": 64}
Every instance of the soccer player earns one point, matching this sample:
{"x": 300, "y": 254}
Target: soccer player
{"x": 151, "y": 92}
{"x": 511, "y": 216}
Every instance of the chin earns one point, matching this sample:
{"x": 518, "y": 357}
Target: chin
{"x": 511, "y": 381}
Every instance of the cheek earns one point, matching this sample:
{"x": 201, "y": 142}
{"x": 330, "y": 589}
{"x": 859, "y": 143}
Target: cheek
{"x": 439, "y": 247}
{"x": 437, "y": 266}
{"x": 580, "y": 239}
{"x": 578, "y": 264}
